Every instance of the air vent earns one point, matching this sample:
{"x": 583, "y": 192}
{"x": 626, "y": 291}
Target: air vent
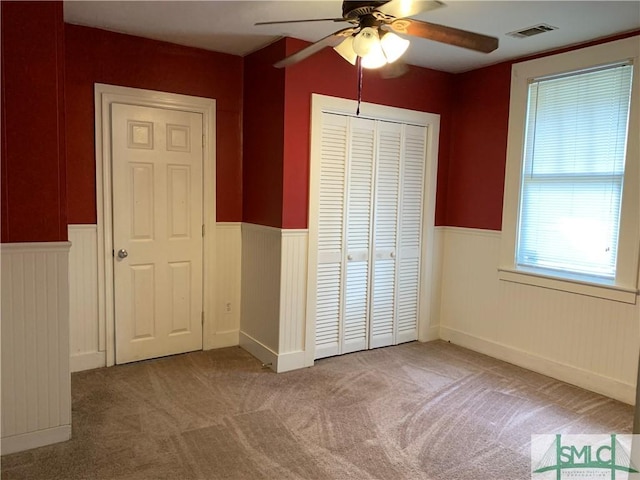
{"x": 531, "y": 31}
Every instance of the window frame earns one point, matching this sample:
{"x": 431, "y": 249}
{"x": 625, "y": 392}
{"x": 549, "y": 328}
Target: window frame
{"x": 624, "y": 287}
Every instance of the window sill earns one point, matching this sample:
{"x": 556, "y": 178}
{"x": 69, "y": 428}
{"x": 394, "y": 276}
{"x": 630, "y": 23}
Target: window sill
{"x": 610, "y": 292}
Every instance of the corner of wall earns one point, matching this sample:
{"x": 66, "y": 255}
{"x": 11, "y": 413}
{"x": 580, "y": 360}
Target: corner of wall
{"x": 274, "y": 292}
{"x": 260, "y": 291}
{"x": 293, "y": 299}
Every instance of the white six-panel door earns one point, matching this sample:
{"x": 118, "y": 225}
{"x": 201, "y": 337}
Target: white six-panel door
{"x": 369, "y": 226}
{"x": 157, "y": 231}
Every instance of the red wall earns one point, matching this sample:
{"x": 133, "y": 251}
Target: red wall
{"x": 329, "y": 74}
{"x": 478, "y": 148}
{"x": 33, "y": 150}
{"x": 479, "y": 143}
{"x": 263, "y": 136}
{"x": 49, "y": 70}
{"x": 98, "y": 56}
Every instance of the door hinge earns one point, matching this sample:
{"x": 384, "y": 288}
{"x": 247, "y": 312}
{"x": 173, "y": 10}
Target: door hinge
{"x": 204, "y": 141}
{"x": 202, "y": 317}
{"x": 203, "y": 230}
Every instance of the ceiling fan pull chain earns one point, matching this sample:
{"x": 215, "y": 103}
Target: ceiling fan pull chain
{"x": 359, "y": 68}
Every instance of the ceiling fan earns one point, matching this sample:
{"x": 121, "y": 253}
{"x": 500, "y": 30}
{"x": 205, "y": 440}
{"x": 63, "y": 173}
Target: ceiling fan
{"x": 373, "y": 39}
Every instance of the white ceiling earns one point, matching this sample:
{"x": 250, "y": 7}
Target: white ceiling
{"x": 228, "y": 26}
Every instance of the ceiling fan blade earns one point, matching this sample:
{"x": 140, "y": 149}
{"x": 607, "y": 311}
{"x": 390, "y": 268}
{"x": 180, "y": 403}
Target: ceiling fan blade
{"x": 440, "y": 33}
{"x": 328, "y": 41}
{"x": 408, "y": 8}
{"x": 302, "y": 21}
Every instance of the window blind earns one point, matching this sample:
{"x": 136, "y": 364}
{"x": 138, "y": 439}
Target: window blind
{"x": 573, "y": 170}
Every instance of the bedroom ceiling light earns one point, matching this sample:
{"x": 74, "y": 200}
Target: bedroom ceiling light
{"x": 375, "y": 49}
{"x": 393, "y": 46}
{"x": 345, "y": 49}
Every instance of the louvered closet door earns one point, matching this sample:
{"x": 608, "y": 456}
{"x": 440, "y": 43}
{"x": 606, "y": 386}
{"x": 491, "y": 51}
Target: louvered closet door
{"x": 369, "y": 234}
{"x": 331, "y": 213}
{"x": 412, "y": 174}
{"x": 358, "y": 233}
{"x": 385, "y": 235}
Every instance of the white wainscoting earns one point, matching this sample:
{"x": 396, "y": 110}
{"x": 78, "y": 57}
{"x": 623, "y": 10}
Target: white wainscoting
{"x": 431, "y": 281}
{"x": 36, "y": 381}
{"x": 586, "y": 341}
{"x": 261, "y": 263}
{"x": 293, "y": 300}
{"x": 87, "y": 336}
{"x": 228, "y": 286}
{"x": 274, "y": 292}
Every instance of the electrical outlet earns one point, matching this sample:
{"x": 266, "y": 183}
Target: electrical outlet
{"x": 227, "y": 307}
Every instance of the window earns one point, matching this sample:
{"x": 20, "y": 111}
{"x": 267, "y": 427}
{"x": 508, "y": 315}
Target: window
{"x": 575, "y": 139}
{"x": 571, "y": 208}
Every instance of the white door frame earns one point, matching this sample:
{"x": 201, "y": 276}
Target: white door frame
{"x": 104, "y": 96}
{"x": 341, "y": 106}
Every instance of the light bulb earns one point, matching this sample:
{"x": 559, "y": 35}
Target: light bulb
{"x": 375, "y": 58}
{"x": 393, "y": 46}
{"x": 345, "y": 49}
{"x": 365, "y": 40}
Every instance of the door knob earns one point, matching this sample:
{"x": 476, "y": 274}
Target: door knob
{"x": 122, "y": 253}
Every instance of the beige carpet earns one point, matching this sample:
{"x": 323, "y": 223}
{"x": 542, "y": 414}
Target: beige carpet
{"x": 415, "y": 411}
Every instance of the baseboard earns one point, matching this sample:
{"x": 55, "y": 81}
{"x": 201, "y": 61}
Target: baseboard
{"x": 263, "y": 353}
{"x": 39, "y": 438}
{"x": 230, "y": 338}
{"x": 88, "y": 361}
{"x": 607, "y": 386}
{"x": 283, "y": 362}
{"x": 290, "y": 361}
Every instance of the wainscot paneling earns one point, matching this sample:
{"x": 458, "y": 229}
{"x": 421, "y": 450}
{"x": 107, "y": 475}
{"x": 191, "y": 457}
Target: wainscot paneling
{"x": 428, "y": 326}
{"x": 87, "y": 335}
{"x": 87, "y": 342}
{"x": 274, "y": 293}
{"x": 586, "y": 341}
{"x": 36, "y": 381}
{"x": 260, "y": 310}
{"x": 228, "y": 285}
{"x": 293, "y": 298}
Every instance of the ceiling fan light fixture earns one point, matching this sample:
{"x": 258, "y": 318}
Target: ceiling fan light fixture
{"x": 375, "y": 58}
{"x": 393, "y": 46}
{"x": 365, "y": 40}
{"x": 346, "y": 51}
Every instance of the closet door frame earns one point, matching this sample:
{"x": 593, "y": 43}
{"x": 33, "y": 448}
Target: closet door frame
{"x": 325, "y": 104}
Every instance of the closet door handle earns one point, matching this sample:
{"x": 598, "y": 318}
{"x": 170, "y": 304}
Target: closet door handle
{"x": 349, "y": 257}
{"x": 392, "y": 255}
